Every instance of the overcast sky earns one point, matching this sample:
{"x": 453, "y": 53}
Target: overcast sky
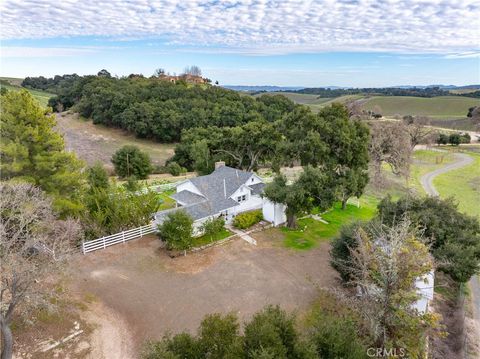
{"x": 286, "y": 43}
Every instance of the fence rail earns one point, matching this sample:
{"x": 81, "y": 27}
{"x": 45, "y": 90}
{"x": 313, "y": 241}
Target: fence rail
{"x": 121, "y": 237}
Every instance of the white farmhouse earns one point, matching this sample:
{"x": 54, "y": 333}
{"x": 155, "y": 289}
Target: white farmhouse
{"x": 225, "y": 192}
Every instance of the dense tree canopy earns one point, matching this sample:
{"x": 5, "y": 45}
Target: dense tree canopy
{"x": 32, "y": 151}
{"x": 157, "y": 109}
{"x": 247, "y": 146}
{"x": 454, "y": 236}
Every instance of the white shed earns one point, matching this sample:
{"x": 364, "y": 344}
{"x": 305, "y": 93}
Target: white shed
{"x": 274, "y": 212}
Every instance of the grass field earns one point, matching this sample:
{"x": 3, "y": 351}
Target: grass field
{"x": 304, "y": 99}
{"x": 98, "y": 143}
{"x": 425, "y": 161}
{"x": 13, "y": 84}
{"x": 446, "y": 107}
{"x": 310, "y": 232}
{"x": 463, "y": 184}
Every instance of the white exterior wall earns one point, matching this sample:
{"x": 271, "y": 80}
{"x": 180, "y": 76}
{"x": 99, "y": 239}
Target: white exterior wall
{"x": 274, "y": 212}
{"x": 188, "y": 186}
{"x": 424, "y": 286}
{"x": 252, "y": 202}
{"x": 253, "y": 180}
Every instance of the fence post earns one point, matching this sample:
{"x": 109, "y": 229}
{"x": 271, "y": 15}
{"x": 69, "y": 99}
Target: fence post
{"x": 141, "y": 234}
{"x": 103, "y": 239}
{"x": 123, "y": 236}
{"x": 83, "y": 247}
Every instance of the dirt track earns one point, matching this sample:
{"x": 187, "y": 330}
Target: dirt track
{"x": 152, "y": 293}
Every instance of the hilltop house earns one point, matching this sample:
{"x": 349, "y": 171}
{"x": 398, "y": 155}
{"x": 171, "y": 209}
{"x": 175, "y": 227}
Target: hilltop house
{"x": 225, "y": 192}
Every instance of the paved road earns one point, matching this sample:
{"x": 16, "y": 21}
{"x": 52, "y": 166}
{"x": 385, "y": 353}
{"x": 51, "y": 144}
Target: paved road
{"x": 427, "y": 179}
{"x": 427, "y": 183}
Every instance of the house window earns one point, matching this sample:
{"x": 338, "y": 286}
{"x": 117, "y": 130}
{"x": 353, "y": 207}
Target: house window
{"x": 252, "y": 179}
{"x": 241, "y": 198}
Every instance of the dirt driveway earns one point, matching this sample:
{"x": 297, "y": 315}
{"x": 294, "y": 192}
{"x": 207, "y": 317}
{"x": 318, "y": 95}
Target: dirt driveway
{"x": 153, "y": 293}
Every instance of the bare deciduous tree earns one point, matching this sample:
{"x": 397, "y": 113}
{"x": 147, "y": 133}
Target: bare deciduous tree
{"x": 33, "y": 245}
{"x": 193, "y": 70}
{"x": 389, "y": 143}
{"x": 159, "y": 72}
{"x": 418, "y": 129}
{"x": 385, "y": 265}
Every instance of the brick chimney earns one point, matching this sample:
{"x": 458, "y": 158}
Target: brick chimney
{"x": 219, "y": 164}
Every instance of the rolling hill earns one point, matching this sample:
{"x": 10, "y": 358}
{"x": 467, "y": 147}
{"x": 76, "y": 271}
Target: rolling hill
{"x": 442, "y": 107}
{"x": 14, "y": 84}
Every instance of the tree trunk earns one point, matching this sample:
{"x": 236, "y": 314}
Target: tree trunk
{"x": 7, "y": 341}
{"x": 291, "y": 221}
{"x": 344, "y": 204}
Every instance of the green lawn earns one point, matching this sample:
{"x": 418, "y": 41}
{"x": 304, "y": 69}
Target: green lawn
{"x": 463, "y": 184}
{"x": 206, "y": 239}
{"x": 310, "y": 231}
{"x": 41, "y": 96}
{"x": 425, "y": 161}
{"x": 437, "y": 107}
{"x": 166, "y": 201}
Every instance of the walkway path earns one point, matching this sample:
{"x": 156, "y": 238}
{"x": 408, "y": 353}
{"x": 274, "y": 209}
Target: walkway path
{"x": 243, "y": 235}
{"x": 427, "y": 179}
{"x": 427, "y": 183}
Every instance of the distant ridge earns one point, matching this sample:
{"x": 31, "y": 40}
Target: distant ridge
{"x": 262, "y": 88}
{"x": 268, "y": 88}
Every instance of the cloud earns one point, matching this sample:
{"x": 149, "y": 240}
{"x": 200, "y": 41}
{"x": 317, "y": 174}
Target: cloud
{"x": 17, "y": 51}
{"x": 463, "y": 55}
{"x": 256, "y": 27}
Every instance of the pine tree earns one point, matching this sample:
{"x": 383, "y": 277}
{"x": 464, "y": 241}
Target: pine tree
{"x": 32, "y": 151}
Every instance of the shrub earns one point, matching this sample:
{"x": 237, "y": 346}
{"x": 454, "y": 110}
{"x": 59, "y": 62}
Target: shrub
{"x": 247, "y": 219}
{"x": 465, "y": 138}
{"x": 442, "y": 139}
{"x": 341, "y": 245}
{"x": 336, "y": 336}
{"x": 454, "y": 139}
{"x": 175, "y": 169}
{"x": 213, "y": 226}
{"x": 97, "y": 176}
{"x": 219, "y": 337}
{"x": 177, "y": 230}
{"x": 131, "y": 161}
{"x": 272, "y": 330}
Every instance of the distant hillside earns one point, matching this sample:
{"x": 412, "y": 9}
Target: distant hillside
{"x": 442, "y": 107}
{"x": 260, "y": 88}
{"x": 13, "y": 84}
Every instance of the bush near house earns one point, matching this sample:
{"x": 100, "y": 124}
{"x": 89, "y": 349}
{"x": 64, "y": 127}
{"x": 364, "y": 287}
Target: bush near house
{"x": 213, "y": 226}
{"x": 175, "y": 169}
{"x": 247, "y": 219}
{"x": 177, "y": 231}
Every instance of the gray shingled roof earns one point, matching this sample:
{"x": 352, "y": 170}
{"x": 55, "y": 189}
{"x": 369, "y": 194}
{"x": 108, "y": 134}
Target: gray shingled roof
{"x": 257, "y": 188}
{"x": 187, "y": 197}
{"x": 217, "y": 188}
{"x": 223, "y": 179}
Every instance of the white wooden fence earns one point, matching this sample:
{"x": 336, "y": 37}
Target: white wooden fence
{"x": 122, "y": 237}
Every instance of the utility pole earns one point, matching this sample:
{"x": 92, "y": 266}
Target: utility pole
{"x": 128, "y": 167}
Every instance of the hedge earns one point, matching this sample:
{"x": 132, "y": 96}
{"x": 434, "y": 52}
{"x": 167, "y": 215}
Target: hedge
{"x": 247, "y": 219}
